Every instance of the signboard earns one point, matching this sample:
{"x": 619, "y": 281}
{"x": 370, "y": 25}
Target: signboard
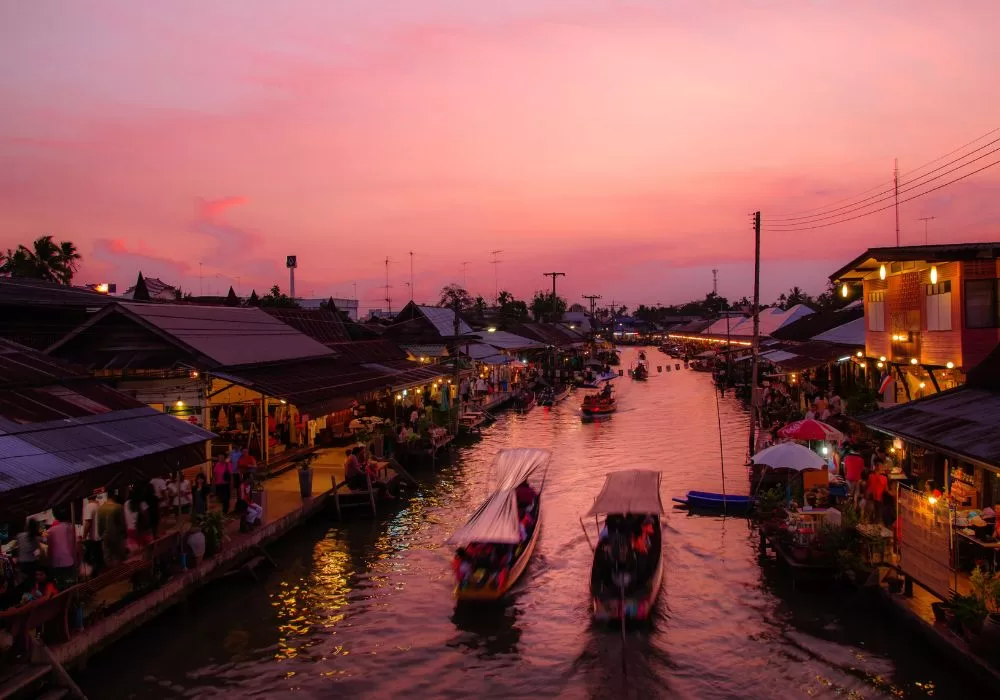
{"x": 925, "y": 541}
{"x": 291, "y": 262}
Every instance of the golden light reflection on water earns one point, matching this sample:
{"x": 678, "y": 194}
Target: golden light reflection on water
{"x": 314, "y": 601}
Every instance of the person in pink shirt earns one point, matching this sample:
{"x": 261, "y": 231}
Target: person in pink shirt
{"x": 222, "y": 478}
{"x": 854, "y": 465}
{"x": 61, "y": 539}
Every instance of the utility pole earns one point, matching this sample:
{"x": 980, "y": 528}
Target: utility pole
{"x": 411, "y": 275}
{"x": 715, "y": 282}
{"x": 925, "y": 219}
{"x": 553, "y": 275}
{"x": 456, "y": 374}
{"x": 201, "y": 282}
{"x": 496, "y": 276}
{"x": 896, "y": 187}
{"x": 756, "y": 333}
{"x": 465, "y": 275}
{"x": 388, "y": 299}
{"x": 593, "y": 302}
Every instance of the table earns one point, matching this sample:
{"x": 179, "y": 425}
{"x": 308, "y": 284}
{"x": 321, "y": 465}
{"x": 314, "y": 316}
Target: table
{"x": 992, "y": 546}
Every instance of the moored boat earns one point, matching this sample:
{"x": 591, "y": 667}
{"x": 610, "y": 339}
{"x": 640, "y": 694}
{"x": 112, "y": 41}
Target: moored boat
{"x": 525, "y": 401}
{"x": 600, "y": 403}
{"x": 716, "y": 502}
{"x": 496, "y": 544}
{"x": 627, "y": 572}
{"x": 550, "y": 396}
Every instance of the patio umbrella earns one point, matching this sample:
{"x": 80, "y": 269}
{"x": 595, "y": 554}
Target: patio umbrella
{"x": 789, "y": 455}
{"x": 811, "y": 429}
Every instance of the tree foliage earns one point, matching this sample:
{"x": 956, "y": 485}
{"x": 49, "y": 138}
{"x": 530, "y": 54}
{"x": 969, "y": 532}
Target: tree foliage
{"x": 545, "y": 305}
{"x": 278, "y": 299}
{"x": 452, "y": 294}
{"x": 45, "y": 260}
{"x": 510, "y": 308}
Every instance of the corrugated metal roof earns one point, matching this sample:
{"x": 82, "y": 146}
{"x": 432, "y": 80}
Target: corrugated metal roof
{"x": 444, "y": 320}
{"x": 964, "y": 422}
{"x": 27, "y": 292}
{"x": 24, "y": 366}
{"x": 506, "y": 340}
{"x": 771, "y": 320}
{"x": 812, "y": 325}
{"x": 37, "y": 453}
{"x": 319, "y": 324}
{"x": 426, "y": 350}
{"x": 719, "y": 327}
{"x": 225, "y": 335}
{"x": 850, "y": 333}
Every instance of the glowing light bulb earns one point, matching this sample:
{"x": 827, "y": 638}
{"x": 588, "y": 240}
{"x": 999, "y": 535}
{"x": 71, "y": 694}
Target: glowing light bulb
{"x": 881, "y": 272}
{"x": 882, "y": 358}
{"x": 860, "y": 354}
{"x": 933, "y": 274}
{"x": 179, "y": 404}
{"x": 880, "y": 364}
{"x": 923, "y": 384}
{"x": 949, "y": 365}
{"x": 844, "y": 291}
{"x": 932, "y": 500}
{"x": 913, "y": 361}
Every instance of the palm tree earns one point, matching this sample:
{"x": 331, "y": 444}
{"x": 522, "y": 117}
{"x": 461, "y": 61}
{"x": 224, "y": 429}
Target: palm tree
{"x": 45, "y": 260}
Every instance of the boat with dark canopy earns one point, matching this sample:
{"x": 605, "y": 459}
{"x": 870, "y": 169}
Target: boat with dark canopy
{"x": 496, "y": 544}
{"x": 627, "y": 571}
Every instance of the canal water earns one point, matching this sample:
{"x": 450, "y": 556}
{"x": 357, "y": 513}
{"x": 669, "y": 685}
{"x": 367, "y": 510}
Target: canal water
{"x": 365, "y": 609}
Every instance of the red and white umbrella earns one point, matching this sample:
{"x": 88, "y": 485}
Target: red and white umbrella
{"x": 811, "y": 429}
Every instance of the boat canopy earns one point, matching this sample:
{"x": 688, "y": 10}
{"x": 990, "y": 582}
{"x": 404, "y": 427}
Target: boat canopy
{"x": 629, "y": 491}
{"x": 496, "y": 520}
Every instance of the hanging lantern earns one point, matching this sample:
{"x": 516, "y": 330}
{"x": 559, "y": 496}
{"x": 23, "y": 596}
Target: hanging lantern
{"x": 881, "y": 272}
{"x": 933, "y": 274}
{"x": 844, "y": 291}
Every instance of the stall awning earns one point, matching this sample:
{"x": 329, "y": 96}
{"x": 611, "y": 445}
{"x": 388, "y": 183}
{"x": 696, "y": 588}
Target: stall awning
{"x": 47, "y": 463}
{"x": 629, "y": 491}
{"x": 962, "y": 422}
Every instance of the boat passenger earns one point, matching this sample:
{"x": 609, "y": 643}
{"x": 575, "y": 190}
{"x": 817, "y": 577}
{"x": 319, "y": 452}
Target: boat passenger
{"x": 525, "y": 495}
{"x": 354, "y": 474}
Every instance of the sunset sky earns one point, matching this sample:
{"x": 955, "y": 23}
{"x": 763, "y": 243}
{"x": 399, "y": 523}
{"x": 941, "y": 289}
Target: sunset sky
{"x": 623, "y": 143}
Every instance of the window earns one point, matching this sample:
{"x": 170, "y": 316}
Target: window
{"x": 981, "y": 304}
{"x": 938, "y": 306}
{"x": 876, "y": 311}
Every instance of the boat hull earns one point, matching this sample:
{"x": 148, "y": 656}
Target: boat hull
{"x": 492, "y": 593}
{"x": 598, "y": 410}
{"x": 716, "y": 502}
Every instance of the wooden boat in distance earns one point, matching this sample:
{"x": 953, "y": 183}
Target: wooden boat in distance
{"x": 551, "y": 396}
{"x": 627, "y": 572}
{"x": 716, "y": 502}
{"x": 496, "y": 544}
{"x": 640, "y": 372}
{"x": 601, "y": 403}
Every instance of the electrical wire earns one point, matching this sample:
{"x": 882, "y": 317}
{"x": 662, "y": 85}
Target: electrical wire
{"x": 890, "y": 206}
{"x": 794, "y": 215}
{"x": 891, "y": 192}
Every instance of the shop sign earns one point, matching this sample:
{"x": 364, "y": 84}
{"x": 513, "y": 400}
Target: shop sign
{"x": 925, "y": 541}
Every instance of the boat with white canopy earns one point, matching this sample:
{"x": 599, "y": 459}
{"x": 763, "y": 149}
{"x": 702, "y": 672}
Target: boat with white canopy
{"x": 628, "y": 565}
{"x": 496, "y": 544}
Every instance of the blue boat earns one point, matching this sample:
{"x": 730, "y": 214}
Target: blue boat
{"x": 716, "y": 502}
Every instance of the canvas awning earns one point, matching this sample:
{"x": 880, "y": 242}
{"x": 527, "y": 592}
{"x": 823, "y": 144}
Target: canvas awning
{"x": 496, "y": 519}
{"x": 629, "y": 491}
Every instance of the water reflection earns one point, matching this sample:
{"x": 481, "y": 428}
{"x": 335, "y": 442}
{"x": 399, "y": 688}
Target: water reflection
{"x": 365, "y": 609}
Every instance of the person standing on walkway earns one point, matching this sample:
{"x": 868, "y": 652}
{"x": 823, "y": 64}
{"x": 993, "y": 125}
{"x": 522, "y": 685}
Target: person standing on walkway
{"x": 199, "y": 496}
{"x": 92, "y": 550}
{"x": 222, "y": 477}
{"x": 112, "y": 530}
{"x": 29, "y": 543}
{"x": 61, "y": 539}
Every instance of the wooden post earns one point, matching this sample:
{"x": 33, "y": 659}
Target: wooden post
{"x": 263, "y": 431}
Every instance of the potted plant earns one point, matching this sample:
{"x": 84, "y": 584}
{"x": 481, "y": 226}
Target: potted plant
{"x": 986, "y": 587}
{"x": 306, "y": 476}
{"x": 969, "y": 614}
{"x": 213, "y": 526}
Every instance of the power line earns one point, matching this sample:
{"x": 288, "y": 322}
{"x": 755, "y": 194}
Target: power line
{"x": 890, "y": 192}
{"x": 890, "y": 182}
{"x": 902, "y": 201}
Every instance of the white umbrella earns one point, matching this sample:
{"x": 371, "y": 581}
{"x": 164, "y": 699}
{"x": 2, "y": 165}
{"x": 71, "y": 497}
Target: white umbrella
{"x": 789, "y": 455}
